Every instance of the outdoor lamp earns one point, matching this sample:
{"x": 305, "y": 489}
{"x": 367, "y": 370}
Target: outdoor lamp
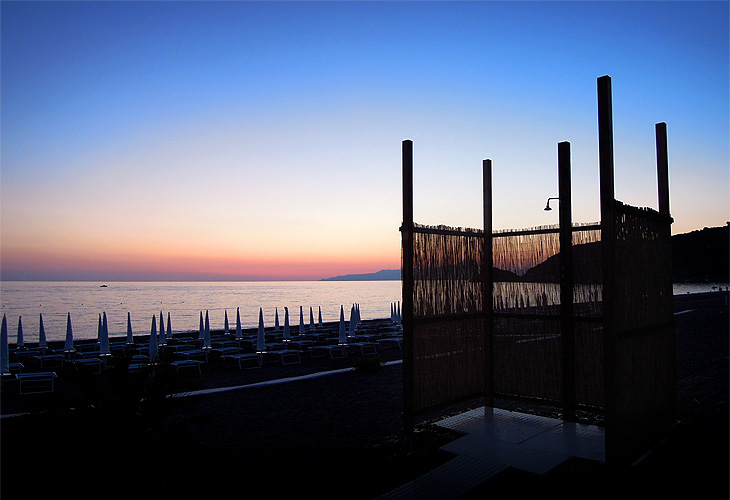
{"x": 547, "y": 205}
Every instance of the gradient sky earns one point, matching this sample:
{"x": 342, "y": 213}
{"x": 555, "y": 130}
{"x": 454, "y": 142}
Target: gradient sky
{"x": 244, "y": 140}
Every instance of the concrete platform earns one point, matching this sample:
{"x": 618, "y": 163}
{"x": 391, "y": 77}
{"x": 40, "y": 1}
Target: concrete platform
{"x": 528, "y": 442}
{"x": 495, "y": 440}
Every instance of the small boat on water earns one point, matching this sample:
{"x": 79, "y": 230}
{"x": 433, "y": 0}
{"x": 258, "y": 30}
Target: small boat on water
{"x": 102, "y": 286}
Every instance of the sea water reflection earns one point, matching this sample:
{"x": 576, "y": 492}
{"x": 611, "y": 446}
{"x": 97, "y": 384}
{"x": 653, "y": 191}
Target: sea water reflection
{"x": 184, "y": 301}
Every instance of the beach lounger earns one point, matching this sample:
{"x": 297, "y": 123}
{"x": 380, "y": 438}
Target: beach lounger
{"x": 50, "y": 360}
{"x": 388, "y": 342}
{"x": 223, "y": 344}
{"x": 189, "y": 364}
{"x": 14, "y": 368}
{"x": 90, "y": 365}
{"x": 334, "y": 351}
{"x": 244, "y": 360}
{"x": 224, "y": 351}
{"x": 299, "y": 345}
{"x": 138, "y": 362}
{"x": 365, "y": 348}
{"x": 25, "y": 355}
{"x": 285, "y": 357}
{"x": 34, "y": 383}
{"x": 201, "y": 354}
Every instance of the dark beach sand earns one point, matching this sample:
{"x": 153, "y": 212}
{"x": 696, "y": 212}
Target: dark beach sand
{"x": 337, "y": 436}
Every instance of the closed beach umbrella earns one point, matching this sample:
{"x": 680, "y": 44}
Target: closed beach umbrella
{"x": 162, "y": 339}
{"x": 261, "y": 339}
{"x": 42, "y": 335}
{"x": 98, "y": 331}
{"x": 301, "y": 321}
{"x": 343, "y": 336}
{"x": 225, "y": 323}
{"x": 201, "y": 332}
{"x": 353, "y": 321}
{"x": 130, "y": 335}
{"x": 311, "y": 319}
{"x": 153, "y": 339}
{"x": 20, "y": 343}
{"x": 239, "y": 333}
{"x": 320, "y": 316}
{"x": 206, "y": 332}
{"x": 276, "y": 320}
{"x": 286, "y": 323}
{"x": 68, "y": 345}
{"x": 4, "y": 350}
{"x": 169, "y": 326}
{"x": 104, "y": 339}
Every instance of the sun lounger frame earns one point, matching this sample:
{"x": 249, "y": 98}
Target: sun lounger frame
{"x": 35, "y": 383}
{"x": 242, "y": 359}
{"x": 187, "y": 364}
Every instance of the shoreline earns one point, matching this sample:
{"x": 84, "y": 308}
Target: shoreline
{"x": 144, "y": 337}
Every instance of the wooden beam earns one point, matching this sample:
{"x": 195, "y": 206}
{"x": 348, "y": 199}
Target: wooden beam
{"x": 566, "y": 281}
{"x": 407, "y": 288}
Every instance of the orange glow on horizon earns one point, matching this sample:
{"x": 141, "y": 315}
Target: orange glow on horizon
{"x": 159, "y": 266}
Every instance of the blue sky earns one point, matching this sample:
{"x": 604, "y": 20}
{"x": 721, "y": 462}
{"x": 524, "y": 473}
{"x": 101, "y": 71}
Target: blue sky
{"x": 261, "y": 140}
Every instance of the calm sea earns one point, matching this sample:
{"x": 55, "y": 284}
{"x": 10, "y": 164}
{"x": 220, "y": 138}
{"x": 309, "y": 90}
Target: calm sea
{"x": 184, "y": 301}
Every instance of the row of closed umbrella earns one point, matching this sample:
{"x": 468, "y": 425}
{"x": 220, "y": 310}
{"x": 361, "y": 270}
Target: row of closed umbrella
{"x": 164, "y": 333}
{"x": 68, "y": 345}
{"x": 395, "y": 314}
{"x": 342, "y": 333}
{"x": 204, "y": 327}
{"x": 42, "y": 342}
{"x": 277, "y": 325}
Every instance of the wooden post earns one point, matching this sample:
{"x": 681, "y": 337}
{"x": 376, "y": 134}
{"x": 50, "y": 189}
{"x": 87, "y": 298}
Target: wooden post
{"x": 487, "y": 285}
{"x": 662, "y": 165}
{"x": 407, "y": 287}
{"x": 662, "y": 162}
{"x": 605, "y": 160}
{"x": 566, "y": 281}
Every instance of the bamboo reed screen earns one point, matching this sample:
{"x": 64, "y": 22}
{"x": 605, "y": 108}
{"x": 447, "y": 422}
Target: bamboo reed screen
{"x": 449, "y": 324}
{"x": 644, "y": 345}
{"x": 527, "y": 316}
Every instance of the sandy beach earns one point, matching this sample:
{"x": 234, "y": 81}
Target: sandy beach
{"x": 333, "y": 436}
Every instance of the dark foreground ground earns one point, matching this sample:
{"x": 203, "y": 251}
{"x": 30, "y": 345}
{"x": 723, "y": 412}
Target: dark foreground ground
{"x": 337, "y": 436}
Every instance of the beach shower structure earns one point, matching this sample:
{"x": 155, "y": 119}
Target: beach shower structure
{"x": 575, "y": 316}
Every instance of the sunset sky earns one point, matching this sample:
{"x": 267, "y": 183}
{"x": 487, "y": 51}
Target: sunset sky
{"x": 262, "y": 140}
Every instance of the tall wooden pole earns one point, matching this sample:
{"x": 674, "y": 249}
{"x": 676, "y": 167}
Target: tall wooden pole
{"x": 487, "y": 285}
{"x": 605, "y": 160}
{"x": 662, "y": 164}
{"x": 566, "y": 281}
{"x": 407, "y": 285}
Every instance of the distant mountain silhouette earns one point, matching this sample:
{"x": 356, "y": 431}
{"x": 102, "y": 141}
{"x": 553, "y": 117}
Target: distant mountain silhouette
{"x": 549, "y": 270}
{"x": 702, "y": 255}
{"x": 502, "y": 275}
{"x": 382, "y": 275}
{"x": 697, "y": 256}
